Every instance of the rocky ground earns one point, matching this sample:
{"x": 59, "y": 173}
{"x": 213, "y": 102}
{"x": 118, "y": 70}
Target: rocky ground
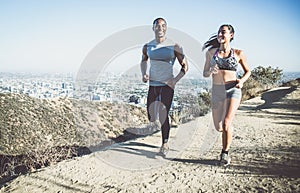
{"x": 265, "y": 157}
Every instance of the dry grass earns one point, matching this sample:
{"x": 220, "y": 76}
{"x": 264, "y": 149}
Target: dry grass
{"x": 38, "y": 132}
{"x": 35, "y": 133}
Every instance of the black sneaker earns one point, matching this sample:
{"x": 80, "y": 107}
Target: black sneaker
{"x": 225, "y": 159}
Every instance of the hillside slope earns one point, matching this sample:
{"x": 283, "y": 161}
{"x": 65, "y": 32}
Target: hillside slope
{"x": 28, "y": 124}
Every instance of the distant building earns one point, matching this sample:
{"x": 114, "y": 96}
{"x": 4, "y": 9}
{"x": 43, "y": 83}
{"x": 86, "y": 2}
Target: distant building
{"x": 95, "y": 97}
{"x": 134, "y": 99}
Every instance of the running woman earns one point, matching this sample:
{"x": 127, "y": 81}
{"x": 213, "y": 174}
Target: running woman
{"x": 222, "y": 62}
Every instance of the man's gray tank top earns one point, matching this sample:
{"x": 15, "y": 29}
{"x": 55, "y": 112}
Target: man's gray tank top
{"x": 162, "y": 58}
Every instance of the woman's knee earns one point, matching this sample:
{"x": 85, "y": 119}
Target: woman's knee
{"x": 226, "y": 124}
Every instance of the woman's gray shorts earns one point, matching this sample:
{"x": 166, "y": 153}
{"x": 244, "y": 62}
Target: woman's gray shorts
{"x": 222, "y": 92}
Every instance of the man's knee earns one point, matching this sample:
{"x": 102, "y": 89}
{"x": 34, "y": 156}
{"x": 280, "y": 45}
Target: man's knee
{"x": 218, "y": 126}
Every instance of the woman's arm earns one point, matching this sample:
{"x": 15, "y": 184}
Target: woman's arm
{"x": 208, "y": 70}
{"x": 245, "y": 66}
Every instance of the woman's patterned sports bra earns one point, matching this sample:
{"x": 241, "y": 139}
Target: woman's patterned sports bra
{"x": 229, "y": 63}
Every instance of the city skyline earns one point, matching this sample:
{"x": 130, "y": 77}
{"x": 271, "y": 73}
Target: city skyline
{"x": 57, "y": 36}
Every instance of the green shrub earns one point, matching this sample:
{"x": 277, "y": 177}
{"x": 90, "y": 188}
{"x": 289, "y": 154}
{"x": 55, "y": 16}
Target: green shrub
{"x": 267, "y": 75}
{"x": 261, "y": 79}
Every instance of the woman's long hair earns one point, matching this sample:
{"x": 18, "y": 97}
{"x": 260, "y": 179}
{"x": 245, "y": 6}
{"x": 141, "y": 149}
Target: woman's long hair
{"x": 213, "y": 41}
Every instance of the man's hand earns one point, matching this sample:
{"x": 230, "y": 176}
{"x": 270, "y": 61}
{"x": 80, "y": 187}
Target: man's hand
{"x": 145, "y": 78}
{"x": 171, "y": 83}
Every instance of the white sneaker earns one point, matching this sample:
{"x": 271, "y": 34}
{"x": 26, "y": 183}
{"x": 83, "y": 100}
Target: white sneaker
{"x": 163, "y": 151}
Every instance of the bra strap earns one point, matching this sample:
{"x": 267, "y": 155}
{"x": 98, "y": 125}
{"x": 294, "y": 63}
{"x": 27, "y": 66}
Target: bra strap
{"x": 216, "y": 52}
{"x": 232, "y": 52}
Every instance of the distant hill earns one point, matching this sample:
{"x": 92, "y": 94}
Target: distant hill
{"x": 37, "y": 132}
{"x": 28, "y": 124}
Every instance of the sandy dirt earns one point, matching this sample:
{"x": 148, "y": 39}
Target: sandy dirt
{"x": 265, "y": 157}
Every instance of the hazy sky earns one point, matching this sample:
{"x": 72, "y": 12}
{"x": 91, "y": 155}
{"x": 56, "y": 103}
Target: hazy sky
{"x": 56, "y": 36}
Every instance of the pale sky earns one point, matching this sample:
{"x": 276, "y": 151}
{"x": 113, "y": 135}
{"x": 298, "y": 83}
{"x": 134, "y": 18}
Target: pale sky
{"x": 57, "y": 35}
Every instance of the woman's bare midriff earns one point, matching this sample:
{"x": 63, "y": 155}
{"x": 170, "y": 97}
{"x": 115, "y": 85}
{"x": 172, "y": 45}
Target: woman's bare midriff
{"x": 224, "y": 76}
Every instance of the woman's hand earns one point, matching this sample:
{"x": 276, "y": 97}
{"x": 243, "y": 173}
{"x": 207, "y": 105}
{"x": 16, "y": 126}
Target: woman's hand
{"x": 239, "y": 84}
{"x": 214, "y": 69}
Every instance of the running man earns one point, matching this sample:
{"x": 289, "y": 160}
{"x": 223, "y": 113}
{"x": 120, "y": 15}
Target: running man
{"x": 162, "y": 54}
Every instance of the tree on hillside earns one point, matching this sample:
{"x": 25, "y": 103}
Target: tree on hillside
{"x": 261, "y": 79}
{"x": 267, "y": 75}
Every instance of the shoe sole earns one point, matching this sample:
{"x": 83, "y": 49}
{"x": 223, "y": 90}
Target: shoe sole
{"x": 223, "y": 163}
{"x": 161, "y": 154}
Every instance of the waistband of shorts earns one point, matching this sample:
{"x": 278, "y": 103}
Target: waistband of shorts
{"x": 227, "y": 85}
